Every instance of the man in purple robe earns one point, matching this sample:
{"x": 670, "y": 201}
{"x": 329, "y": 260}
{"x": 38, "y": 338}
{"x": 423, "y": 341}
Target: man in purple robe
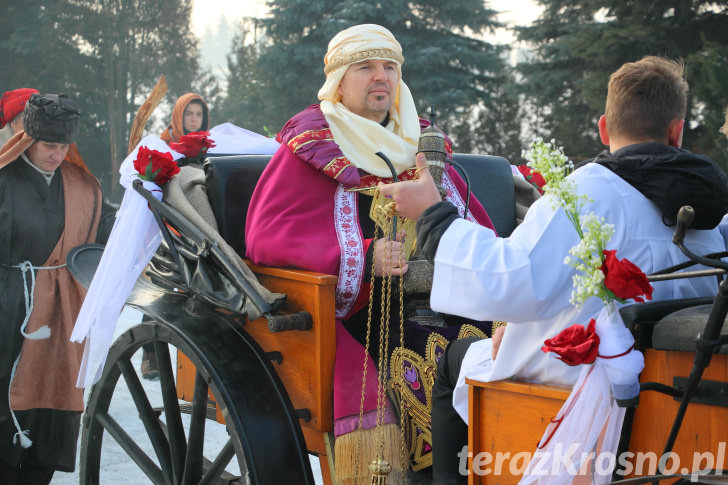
{"x": 311, "y": 209}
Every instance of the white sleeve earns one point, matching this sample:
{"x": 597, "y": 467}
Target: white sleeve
{"x": 518, "y": 279}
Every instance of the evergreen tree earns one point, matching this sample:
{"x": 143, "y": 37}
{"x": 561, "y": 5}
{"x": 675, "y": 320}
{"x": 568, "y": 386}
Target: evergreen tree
{"x": 32, "y": 53}
{"x": 106, "y": 55}
{"x": 445, "y": 64}
{"x": 243, "y": 103}
{"x": 126, "y": 45}
{"x": 493, "y": 129}
{"x": 579, "y": 44}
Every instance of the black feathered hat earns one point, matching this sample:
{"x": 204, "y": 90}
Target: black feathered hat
{"x": 51, "y": 117}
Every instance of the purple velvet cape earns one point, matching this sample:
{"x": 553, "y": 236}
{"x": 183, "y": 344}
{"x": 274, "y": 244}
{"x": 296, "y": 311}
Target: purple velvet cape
{"x": 301, "y": 216}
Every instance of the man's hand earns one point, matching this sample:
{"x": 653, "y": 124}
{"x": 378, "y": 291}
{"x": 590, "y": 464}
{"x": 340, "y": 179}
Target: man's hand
{"x": 497, "y": 338}
{"x": 387, "y": 256}
{"x": 411, "y": 198}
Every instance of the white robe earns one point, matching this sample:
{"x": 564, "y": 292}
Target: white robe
{"x": 523, "y": 279}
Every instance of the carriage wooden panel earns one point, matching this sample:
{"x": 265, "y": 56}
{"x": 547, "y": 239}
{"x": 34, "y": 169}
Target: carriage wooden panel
{"x": 307, "y": 362}
{"x": 508, "y": 417}
{"x": 307, "y": 369}
{"x": 704, "y": 427}
{"x": 511, "y": 416}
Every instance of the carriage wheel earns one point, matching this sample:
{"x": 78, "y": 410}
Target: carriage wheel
{"x": 176, "y": 442}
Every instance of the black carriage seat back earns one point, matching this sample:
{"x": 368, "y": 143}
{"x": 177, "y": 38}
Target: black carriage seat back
{"x": 231, "y": 180}
{"x": 491, "y": 181}
{"x": 679, "y": 330}
{"x": 644, "y": 320}
{"x": 230, "y": 183}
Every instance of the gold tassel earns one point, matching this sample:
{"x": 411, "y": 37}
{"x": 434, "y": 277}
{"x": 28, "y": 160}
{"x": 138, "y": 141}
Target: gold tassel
{"x": 380, "y": 468}
{"x": 345, "y": 456}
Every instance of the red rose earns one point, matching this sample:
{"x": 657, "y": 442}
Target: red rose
{"x": 624, "y": 279}
{"x": 154, "y": 165}
{"x": 575, "y": 345}
{"x": 193, "y": 145}
{"x": 532, "y": 176}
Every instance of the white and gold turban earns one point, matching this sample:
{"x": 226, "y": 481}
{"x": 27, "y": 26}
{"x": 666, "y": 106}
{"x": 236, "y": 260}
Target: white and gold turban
{"x": 359, "y": 137}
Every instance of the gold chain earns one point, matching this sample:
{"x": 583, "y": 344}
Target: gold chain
{"x": 383, "y": 371}
{"x": 366, "y": 360}
{"x": 384, "y": 340}
{"x": 403, "y": 449}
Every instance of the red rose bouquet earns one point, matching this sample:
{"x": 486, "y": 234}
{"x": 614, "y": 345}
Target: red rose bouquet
{"x": 155, "y": 166}
{"x": 193, "y": 146}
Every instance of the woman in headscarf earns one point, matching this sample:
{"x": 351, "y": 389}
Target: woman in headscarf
{"x": 190, "y": 114}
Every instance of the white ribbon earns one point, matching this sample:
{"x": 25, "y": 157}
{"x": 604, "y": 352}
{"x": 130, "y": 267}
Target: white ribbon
{"x": 582, "y": 439}
{"x": 134, "y": 238}
{"x": 132, "y": 243}
{"x": 44, "y": 332}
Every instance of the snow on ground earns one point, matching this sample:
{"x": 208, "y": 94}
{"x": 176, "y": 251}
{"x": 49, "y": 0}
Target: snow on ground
{"x": 116, "y": 466}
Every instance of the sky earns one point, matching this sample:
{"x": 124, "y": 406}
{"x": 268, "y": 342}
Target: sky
{"x": 208, "y": 12}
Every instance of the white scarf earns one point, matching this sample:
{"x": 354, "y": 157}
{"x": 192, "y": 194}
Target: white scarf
{"x": 360, "y": 139}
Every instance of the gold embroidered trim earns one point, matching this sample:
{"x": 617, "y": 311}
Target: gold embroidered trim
{"x": 361, "y": 56}
{"x": 307, "y": 137}
{"x": 496, "y": 324}
{"x": 434, "y": 342}
{"x": 416, "y": 415}
{"x": 468, "y": 330}
{"x": 417, "y": 420}
{"x": 336, "y": 166}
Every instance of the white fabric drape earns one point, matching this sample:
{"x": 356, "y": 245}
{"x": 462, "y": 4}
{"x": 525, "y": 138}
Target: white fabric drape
{"x": 582, "y": 438}
{"x": 134, "y": 238}
{"x": 231, "y": 139}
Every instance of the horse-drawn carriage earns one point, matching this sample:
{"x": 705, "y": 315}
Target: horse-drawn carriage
{"x": 267, "y": 382}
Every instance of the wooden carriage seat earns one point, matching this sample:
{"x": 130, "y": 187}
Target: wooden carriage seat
{"x": 669, "y": 359}
{"x": 678, "y": 330}
{"x": 510, "y": 416}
